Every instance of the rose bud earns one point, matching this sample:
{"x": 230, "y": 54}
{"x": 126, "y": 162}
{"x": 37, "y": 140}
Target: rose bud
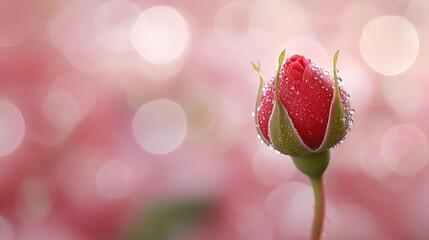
{"x": 302, "y": 110}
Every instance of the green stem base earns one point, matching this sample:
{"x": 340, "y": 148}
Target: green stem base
{"x": 313, "y": 165}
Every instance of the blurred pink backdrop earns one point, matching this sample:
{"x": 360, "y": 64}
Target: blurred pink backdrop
{"x": 109, "y": 107}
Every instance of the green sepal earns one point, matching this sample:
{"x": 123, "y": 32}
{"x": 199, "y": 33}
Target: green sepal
{"x": 336, "y": 129}
{"x": 281, "y": 60}
{"x": 257, "y": 68}
{"x": 313, "y": 165}
{"x": 283, "y": 134}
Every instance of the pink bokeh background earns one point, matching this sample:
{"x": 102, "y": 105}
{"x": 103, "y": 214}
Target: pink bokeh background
{"x": 109, "y": 107}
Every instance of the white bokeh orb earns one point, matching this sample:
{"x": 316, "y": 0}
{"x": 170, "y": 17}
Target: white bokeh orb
{"x": 389, "y": 44}
{"x": 160, "y": 34}
{"x": 12, "y": 127}
{"x": 160, "y": 126}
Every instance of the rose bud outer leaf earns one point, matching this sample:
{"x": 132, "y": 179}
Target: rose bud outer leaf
{"x": 281, "y": 60}
{"x": 336, "y": 129}
{"x": 283, "y": 134}
{"x": 257, "y": 68}
{"x": 282, "y": 57}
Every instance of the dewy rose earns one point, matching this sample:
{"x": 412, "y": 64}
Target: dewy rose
{"x": 302, "y": 110}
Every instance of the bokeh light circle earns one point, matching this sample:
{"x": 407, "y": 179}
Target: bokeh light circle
{"x": 115, "y": 19}
{"x": 6, "y": 229}
{"x": 160, "y": 126}
{"x": 405, "y": 97}
{"x": 358, "y": 84}
{"x": 12, "y": 127}
{"x": 272, "y": 168}
{"x": 36, "y": 200}
{"x": 389, "y": 44}
{"x": 351, "y": 222}
{"x": 417, "y": 13}
{"x": 62, "y": 109}
{"x": 290, "y": 209}
{"x": 83, "y": 51}
{"x": 160, "y": 34}
{"x": 405, "y": 149}
{"x": 81, "y": 87}
{"x": 308, "y": 47}
{"x": 114, "y": 179}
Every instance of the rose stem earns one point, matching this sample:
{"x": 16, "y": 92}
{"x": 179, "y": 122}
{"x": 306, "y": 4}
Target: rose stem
{"x": 314, "y": 166}
{"x": 319, "y": 207}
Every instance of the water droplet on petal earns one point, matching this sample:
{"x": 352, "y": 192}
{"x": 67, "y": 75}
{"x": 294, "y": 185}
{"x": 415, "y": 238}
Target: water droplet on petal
{"x": 352, "y": 112}
{"x": 319, "y": 119}
{"x": 253, "y": 114}
{"x": 351, "y": 122}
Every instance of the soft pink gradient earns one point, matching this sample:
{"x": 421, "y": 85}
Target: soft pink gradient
{"x": 107, "y": 107}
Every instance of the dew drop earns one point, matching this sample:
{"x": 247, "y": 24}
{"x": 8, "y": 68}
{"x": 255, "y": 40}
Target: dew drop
{"x": 258, "y": 136}
{"x": 348, "y": 96}
{"x": 352, "y": 112}
{"x": 340, "y": 79}
{"x": 319, "y": 119}
{"x": 351, "y": 122}
{"x": 316, "y": 77}
{"x": 292, "y": 87}
{"x": 337, "y": 70}
{"x": 349, "y": 129}
{"x": 343, "y": 119}
{"x": 253, "y": 114}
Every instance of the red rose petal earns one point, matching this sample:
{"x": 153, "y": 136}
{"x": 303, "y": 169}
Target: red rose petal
{"x": 307, "y": 99}
{"x": 266, "y": 108}
{"x": 297, "y": 67}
